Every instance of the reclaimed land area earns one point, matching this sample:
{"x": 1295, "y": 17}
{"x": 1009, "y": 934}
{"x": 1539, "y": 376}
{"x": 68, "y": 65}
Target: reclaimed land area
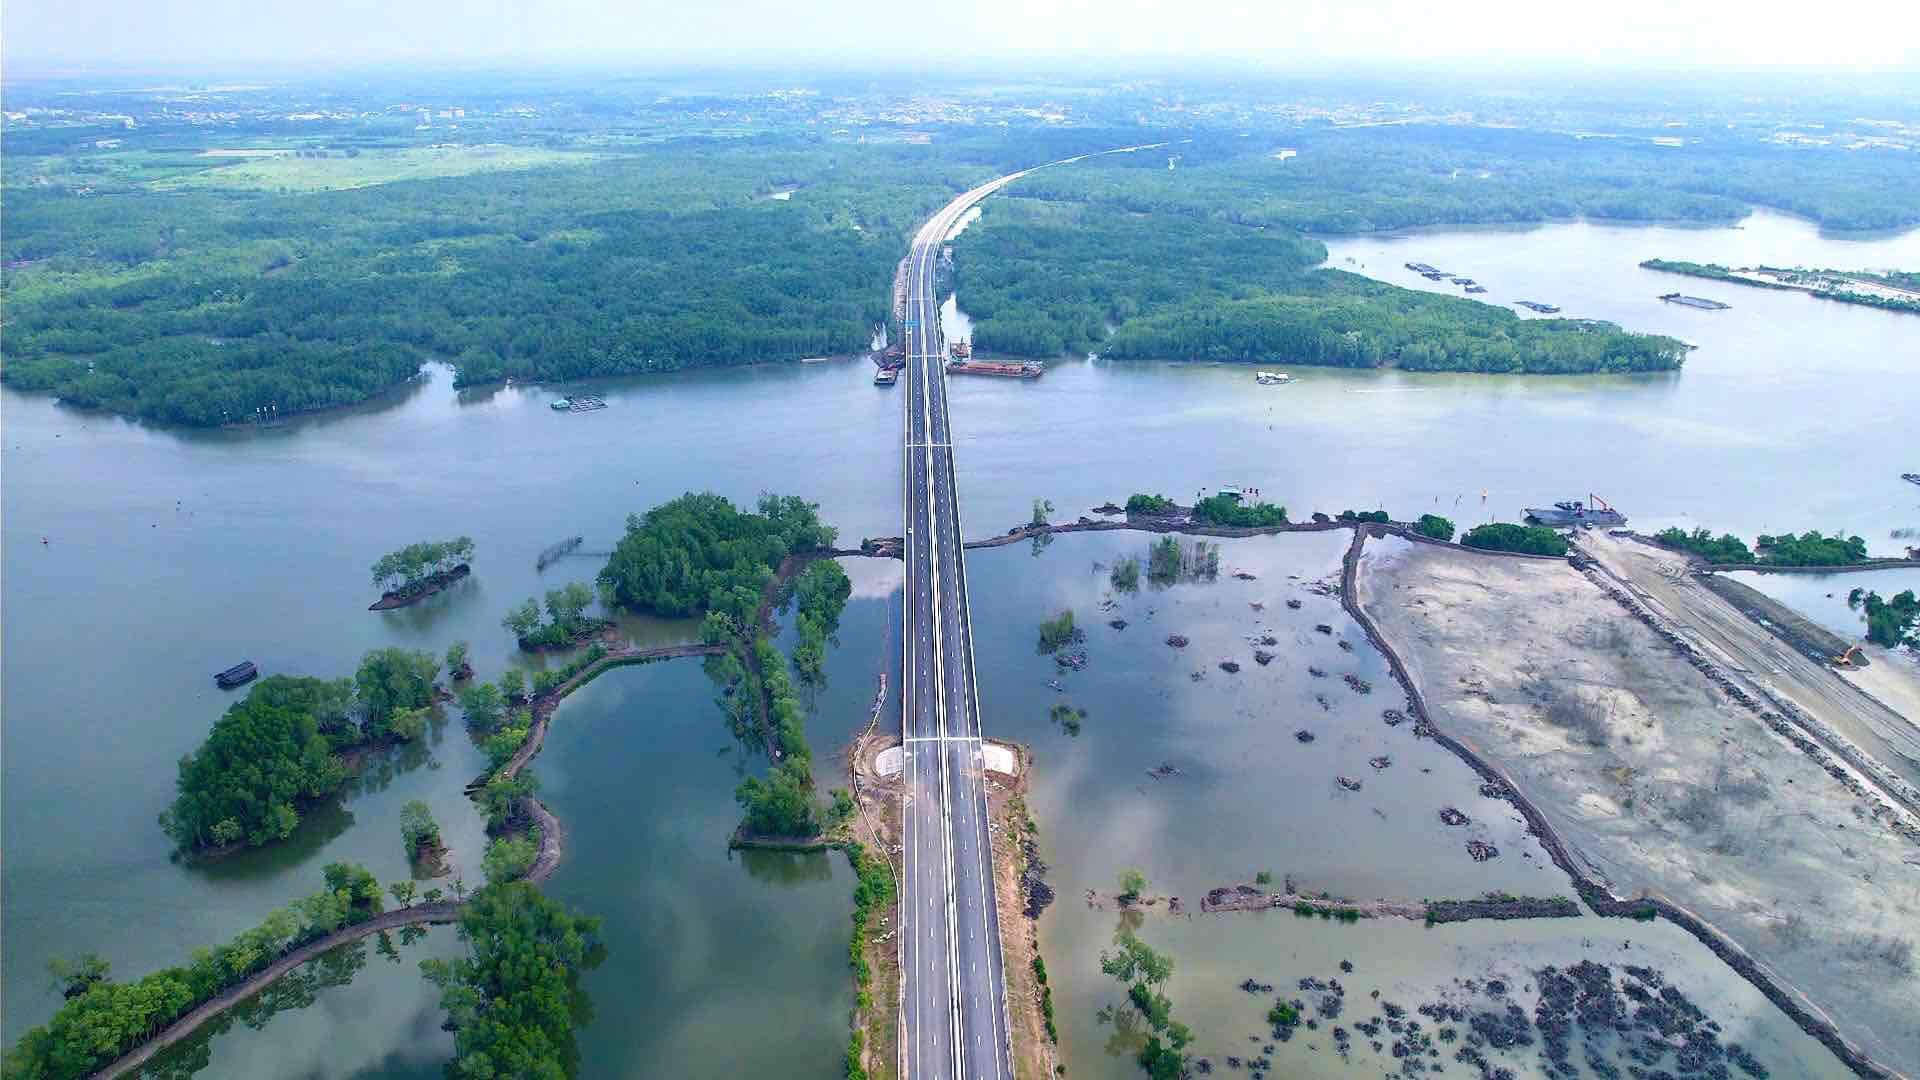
{"x": 1662, "y": 783}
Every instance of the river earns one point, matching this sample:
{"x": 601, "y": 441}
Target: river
{"x": 170, "y": 555}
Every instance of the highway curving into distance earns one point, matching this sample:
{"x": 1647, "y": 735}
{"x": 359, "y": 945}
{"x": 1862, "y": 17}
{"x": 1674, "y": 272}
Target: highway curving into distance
{"x": 953, "y": 1007}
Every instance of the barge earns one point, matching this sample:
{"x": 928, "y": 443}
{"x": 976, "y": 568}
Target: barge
{"x": 242, "y": 672}
{"x": 1700, "y": 302}
{"x": 1594, "y": 511}
{"x": 988, "y": 367}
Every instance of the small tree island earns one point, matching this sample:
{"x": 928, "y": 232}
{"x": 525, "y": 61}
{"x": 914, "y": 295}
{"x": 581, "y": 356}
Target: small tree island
{"x": 280, "y": 749}
{"x": 417, "y": 571}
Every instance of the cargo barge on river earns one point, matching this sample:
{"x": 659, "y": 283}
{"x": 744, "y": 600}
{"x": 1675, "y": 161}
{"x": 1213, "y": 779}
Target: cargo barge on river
{"x": 1700, "y": 302}
{"x": 242, "y": 672}
{"x": 1594, "y": 511}
{"x": 990, "y": 367}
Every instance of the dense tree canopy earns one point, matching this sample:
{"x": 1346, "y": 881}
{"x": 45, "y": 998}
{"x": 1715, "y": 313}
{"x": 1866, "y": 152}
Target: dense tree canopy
{"x": 1038, "y": 281}
{"x": 1233, "y": 512}
{"x": 698, "y": 554}
{"x": 1811, "y": 548}
{"x": 1371, "y": 179}
{"x": 514, "y": 999}
{"x": 263, "y": 758}
{"x": 1889, "y": 622}
{"x": 1726, "y": 548}
{"x": 204, "y": 307}
{"x": 391, "y": 681}
{"x": 820, "y": 593}
{"x": 1505, "y": 536}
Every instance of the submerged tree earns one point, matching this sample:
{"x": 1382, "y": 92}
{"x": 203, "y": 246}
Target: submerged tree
{"x": 405, "y": 571}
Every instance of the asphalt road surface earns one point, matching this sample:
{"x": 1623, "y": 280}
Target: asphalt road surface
{"x": 954, "y": 1007}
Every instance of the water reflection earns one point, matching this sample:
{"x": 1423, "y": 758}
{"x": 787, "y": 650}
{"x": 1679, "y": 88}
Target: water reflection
{"x": 319, "y": 825}
{"x": 299, "y": 989}
{"x": 787, "y": 868}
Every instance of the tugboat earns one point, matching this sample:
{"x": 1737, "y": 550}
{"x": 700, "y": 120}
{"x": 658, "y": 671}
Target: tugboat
{"x": 1594, "y": 511}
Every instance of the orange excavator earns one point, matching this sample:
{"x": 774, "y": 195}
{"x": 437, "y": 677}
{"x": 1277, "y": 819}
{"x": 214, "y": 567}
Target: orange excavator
{"x": 1845, "y": 659}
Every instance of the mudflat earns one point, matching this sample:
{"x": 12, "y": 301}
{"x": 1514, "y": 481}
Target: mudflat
{"x": 1657, "y": 782}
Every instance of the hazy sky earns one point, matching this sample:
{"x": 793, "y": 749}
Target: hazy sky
{"x": 211, "y": 35}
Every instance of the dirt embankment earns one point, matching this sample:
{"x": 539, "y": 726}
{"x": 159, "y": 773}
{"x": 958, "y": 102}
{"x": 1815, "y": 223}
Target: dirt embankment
{"x": 1850, "y": 568}
{"x": 419, "y": 914}
{"x": 1815, "y": 642}
{"x": 1654, "y": 786}
{"x": 1021, "y": 894}
{"x": 1256, "y": 897}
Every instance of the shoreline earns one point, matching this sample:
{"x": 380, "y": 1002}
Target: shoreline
{"x": 1841, "y": 296}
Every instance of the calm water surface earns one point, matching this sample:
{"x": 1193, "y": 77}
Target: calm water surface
{"x": 170, "y": 555}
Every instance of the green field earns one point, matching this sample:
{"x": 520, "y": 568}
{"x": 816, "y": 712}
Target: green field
{"x": 340, "y": 170}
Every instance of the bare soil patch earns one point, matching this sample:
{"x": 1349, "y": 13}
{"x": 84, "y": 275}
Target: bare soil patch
{"x": 1658, "y": 783}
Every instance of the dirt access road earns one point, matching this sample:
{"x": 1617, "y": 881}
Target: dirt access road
{"x": 1663, "y": 582}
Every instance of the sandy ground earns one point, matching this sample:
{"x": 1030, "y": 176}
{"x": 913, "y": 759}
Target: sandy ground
{"x": 1659, "y": 579}
{"x": 1894, "y": 680}
{"x": 1659, "y": 782}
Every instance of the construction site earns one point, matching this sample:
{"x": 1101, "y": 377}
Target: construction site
{"x": 1682, "y": 753}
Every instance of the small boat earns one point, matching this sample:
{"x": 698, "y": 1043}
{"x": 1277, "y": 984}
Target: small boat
{"x": 561, "y": 405}
{"x": 815, "y": 359}
{"x": 1911, "y": 477}
{"x": 886, "y": 376}
{"x": 1271, "y": 378}
{"x": 1535, "y": 305}
{"x": 1462, "y": 281}
{"x": 1476, "y": 288}
{"x": 242, "y": 672}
